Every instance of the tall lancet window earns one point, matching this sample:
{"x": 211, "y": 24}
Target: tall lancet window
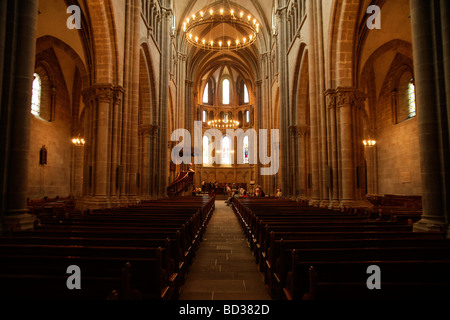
{"x": 226, "y": 151}
{"x": 411, "y": 99}
{"x": 226, "y": 91}
{"x": 406, "y": 101}
{"x": 206, "y": 94}
{"x": 246, "y": 97}
{"x": 36, "y": 95}
{"x": 245, "y": 149}
{"x": 205, "y": 150}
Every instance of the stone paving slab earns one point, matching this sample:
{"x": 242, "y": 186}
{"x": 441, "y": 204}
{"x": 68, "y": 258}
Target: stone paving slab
{"x": 224, "y": 267}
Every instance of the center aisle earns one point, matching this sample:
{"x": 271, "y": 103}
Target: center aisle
{"x": 224, "y": 267}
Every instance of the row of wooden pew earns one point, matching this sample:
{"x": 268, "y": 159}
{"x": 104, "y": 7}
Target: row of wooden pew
{"x": 311, "y": 253}
{"x": 130, "y": 253}
{"x": 395, "y": 207}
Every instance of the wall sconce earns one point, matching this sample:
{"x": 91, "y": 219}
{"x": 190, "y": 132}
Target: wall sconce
{"x": 369, "y": 143}
{"x": 78, "y": 142}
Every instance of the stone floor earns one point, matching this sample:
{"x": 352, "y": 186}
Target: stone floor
{"x": 224, "y": 267}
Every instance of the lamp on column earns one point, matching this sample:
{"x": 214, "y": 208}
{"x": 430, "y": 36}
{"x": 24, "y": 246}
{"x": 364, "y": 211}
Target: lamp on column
{"x": 369, "y": 142}
{"x": 78, "y": 142}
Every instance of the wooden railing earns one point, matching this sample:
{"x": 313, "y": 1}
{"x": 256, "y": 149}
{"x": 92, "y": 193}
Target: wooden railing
{"x": 180, "y": 184}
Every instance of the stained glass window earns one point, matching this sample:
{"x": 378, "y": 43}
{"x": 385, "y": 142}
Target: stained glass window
{"x": 36, "y": 95}
{"x": 246, "y": 97}
{"x": 411, "y": 99}
{"x": 226, "y": 91}
{"x": 245, "y": 147}
{"x": 206, "y": 94}
{"x": 205, "y": 150}
{"x": 226, "y": 158}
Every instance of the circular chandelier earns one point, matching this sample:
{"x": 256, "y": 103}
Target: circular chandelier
{"x": 223, "y": 124}
{"x": 216, "y": 28}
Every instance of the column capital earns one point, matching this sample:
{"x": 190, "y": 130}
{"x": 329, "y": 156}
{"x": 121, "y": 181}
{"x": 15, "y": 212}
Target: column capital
{"x": 293, "y": 130}
{"x": 145, "y": 129}
{"x": 118, "y": 94}
{"x": 330, "y": 95}
{"x": 350, "y": 96}
{"x": 155, "y": 130}
{"x": 99, "y": 92}
{"x": 303, "y": 130}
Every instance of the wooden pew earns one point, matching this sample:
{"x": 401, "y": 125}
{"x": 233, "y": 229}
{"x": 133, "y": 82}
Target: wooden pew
{"x": 278, "y": 229}
{"x": 279, "y": 258}
{"x": 126, "y": 233}
{"x": 411, "y": 273}
{"x": 35, "y": 276}
{"x": 400, "y": 280}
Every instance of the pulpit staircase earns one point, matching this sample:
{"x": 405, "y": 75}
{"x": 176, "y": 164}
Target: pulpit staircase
{"x": 183, "y": 180}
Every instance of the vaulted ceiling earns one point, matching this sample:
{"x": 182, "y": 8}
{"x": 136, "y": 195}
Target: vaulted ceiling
{"x": 247, "y": 60}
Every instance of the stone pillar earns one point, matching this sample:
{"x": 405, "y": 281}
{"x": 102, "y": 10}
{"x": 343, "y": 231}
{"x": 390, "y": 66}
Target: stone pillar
{"x": 332, "y": 148}
{"x": 349, "y": 103}
{"x": 293, "y": 160}
{"x": 18, "y": 49}
{"x": 314, "y": 111}
{"x": 303, "y": 167}
{"x": 163, "y": 120}
{"x": 153, "y": 162}
{"x": 145, "y": 156}
{"x": 98, "y": 104}
{"x": 430, "y": 44}
{"x": 116, "y": 132}
{"x": 282, "y": 43}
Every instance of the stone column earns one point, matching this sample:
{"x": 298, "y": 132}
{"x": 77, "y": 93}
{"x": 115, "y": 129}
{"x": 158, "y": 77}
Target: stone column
{"x": 349, "y": 102}
{"x": 282, "y": 43}
{"x": 303, "y": 167}
{"x": 145, "y": 169}
{"x": 314, "y": 110}
{"x": 332, "y": 148}
{"x": 430, "y": 43}
{"x": 163, "y": 120}
{"x": 293, "y": 155}
{"x": 98, "y": 104}
{"x": 116, "y": 132}
{"x": 18, "y": 37}
{"x": 153, "y": 162}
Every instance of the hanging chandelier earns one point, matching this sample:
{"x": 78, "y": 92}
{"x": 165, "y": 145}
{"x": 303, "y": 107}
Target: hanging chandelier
{"x": 221, "y": 27}
{"x": 223, "y": 124}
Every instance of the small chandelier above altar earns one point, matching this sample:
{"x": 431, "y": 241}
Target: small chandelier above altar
{"x": 223, "y": 124}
